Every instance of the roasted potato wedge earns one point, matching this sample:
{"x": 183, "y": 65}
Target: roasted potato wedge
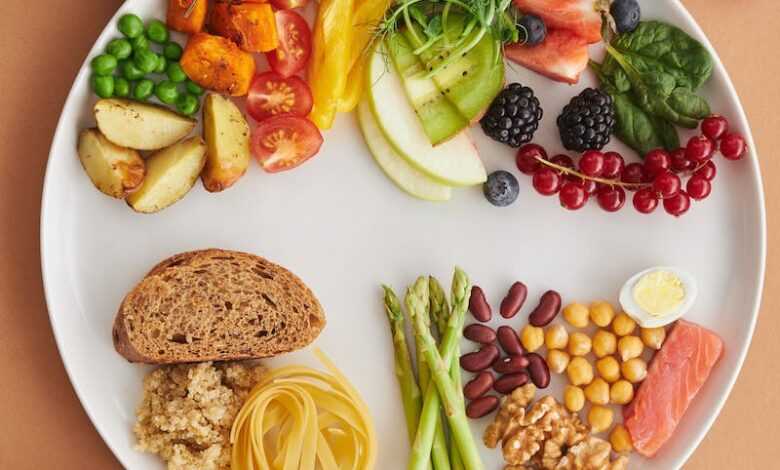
{"x": 114, "y": 170}
{"x": 140, "y": 126}
{"x": 170, "y": 174}
{"x": 227, "y": 138}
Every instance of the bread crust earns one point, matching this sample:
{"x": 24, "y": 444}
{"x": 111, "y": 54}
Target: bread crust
{"x": 234, "y": 305}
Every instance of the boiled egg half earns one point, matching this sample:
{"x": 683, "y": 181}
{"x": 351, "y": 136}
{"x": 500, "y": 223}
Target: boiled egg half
{"x": 658, "y": 296}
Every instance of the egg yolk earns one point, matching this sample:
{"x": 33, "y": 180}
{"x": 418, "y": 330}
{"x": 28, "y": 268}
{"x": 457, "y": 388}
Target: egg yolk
{"x": 659, "y": 293}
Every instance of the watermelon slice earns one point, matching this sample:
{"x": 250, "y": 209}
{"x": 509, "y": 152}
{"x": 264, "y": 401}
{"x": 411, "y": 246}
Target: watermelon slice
{"x": 578, "y": 16}
{"x": 676, "y": 375}
{"x": 562, "y": 56}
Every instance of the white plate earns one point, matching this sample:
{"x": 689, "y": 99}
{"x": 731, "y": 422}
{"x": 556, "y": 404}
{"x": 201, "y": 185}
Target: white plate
{"x": 344, "y": 228}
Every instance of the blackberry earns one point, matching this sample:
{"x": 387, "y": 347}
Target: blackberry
{"x": 587, "y": 121}
{"x": 513, "y": 117}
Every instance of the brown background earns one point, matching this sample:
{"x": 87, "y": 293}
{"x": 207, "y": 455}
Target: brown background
{"x": 42, "y": 45}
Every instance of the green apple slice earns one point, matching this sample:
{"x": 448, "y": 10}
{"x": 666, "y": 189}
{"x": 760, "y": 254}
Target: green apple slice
{"x": 395, "y": 167}
{"x": 454, "y": 162}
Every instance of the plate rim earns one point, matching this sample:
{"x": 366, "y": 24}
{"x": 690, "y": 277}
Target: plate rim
{"x": 729, "y": 89}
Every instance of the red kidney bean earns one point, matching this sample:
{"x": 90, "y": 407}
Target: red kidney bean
{"x": 514, "y": 300}
{"x": 479, "y": 385}
{"x": 482, "y": 406}
{"x": 508, "y": 383}
{"x": 548, "y": 308}
{"x": 538, "y": 370}
{"x": 479, "y": 333}
{"x": 510, "y": 365}
{"x": 478, "y": 305}
{"x": 509, "y": 341}
{"x": 479, "y": 360}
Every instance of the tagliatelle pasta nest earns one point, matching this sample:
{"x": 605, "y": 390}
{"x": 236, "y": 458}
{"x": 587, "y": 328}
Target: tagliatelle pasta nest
{"x": 302, "y": 418}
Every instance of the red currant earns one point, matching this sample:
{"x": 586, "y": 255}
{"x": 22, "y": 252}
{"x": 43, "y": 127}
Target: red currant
{"x": 666, "y": 184}
{"x": 678, "y": 204}
{"x": 526, "y": 159}
{"x": 698, "y": 187}
{"x": 547, "y": 181}
{"x": 562, "y": 160}
{"x": 733, "y": 146}
{"x": 680, "y": 162}
{"x": 657, "y": 161}
{"x": 708, "y": 171}
{"x": 613, "y": 165}
{"x": 645, "y": 201}
{"x": 592, "y": 163}
{"x": 590, "y": 186}
{"x": 634, "y": 174}
{"x": 611, "y": 198}
{"x": 699, "y": 149}
{"x": 714, "y": 127}
{"x": 573, "y": 196}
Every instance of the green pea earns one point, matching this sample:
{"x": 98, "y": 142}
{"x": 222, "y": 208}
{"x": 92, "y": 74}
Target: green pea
{"x": 187, "y": 104}
{"x": 143, "y": 89}
{"x": 131, "y": 71}
{"x": 162, "y": 64}
{"x": 104, "y": 64}
{"x": 103, "y": 85}
{"x": 166, "y": 91}
{"x": 176, "y": 73}
{"x": 119, "y": 48}
{"x": 131, "y": 25}
{"x": 157, "y": 31}
{"x": 194, "y": 88}
{"x": 145, "y": 60}
{"x": 172, "y": 50}
{"x": 139, "y": 43}
{"x": 121, "y": 87}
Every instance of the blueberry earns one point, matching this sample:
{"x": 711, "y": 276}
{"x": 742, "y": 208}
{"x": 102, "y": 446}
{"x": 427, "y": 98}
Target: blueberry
{"x": 501, "y": 188}
{"x": 626, "y": 14}
{"x": 533, "y": 28}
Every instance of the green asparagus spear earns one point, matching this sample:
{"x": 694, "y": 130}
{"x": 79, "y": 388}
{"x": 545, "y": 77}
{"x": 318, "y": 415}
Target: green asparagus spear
{"x": 440, "y": 313}
{"x": 410, "y": 392}
{"x": 438, "y": 454}
{"x": 444, "y": 393}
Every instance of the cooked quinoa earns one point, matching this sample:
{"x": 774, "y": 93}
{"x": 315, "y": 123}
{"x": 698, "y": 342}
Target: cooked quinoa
{"x": 187, "y": 412}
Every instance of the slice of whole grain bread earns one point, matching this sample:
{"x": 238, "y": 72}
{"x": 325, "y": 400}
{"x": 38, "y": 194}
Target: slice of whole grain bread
{"x": 216, "y": 305}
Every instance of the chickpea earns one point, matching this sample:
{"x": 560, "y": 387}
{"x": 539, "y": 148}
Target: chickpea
{"x": 600, "y": 418}
{"x": 576, "y": 314}
{"x": 580, "y": 371}
{"x": 604, "y": 343}
{"x": 629, "y": 347}
{"x": 621, "y": 440}
{"x": 621, "y": 393}
{"x": 557, "y": 360}
{"x": 653, "y": 337}
{"x": 608, "y": 368}
{"x": 573, "y": 398}
{"x": 597, "y": 392}
{"x": 601, "y": 313}
{"x": 634, "y": 370}
{"x": 579, "y": 344}
{"x": 623, "y": 325}
{"x": 532, "y": 337}
{"x": 556, "y": 337}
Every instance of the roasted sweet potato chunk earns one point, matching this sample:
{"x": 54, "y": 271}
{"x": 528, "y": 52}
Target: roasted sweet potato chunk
{"x": 191, "y": 23}
{"x": 250, "y": 25}
{"x": 217, "y": 64}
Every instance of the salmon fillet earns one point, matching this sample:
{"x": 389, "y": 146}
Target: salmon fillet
{"x": 675, "y": 376}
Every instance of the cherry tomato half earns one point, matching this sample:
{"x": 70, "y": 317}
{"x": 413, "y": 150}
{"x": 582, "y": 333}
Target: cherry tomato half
{"x": 283, "y": 142}
{"x": 288, "y": 4}
{"x": 294, "y": 49}
{"x": 271, "y": 94}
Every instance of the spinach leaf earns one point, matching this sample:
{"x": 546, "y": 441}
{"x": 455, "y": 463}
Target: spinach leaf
{"x": 688, "y": 103}
{"x": 657, "y": 46}
{"x": 667, "y": 133}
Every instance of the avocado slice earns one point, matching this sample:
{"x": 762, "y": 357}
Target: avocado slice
{"x": 440, "y": 119}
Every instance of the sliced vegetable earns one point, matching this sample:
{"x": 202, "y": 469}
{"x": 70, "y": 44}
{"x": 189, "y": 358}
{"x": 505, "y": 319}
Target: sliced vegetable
{"x": 271, "y": 94}
{"x": 294, "y": 49}
{"x": 250, "y": 25}
{"x": 187, "y": 16}
{"x": 282, "y": 143}
{"x": 218, "y": 64}
{"x": 227, "y": 138}
{"x": 288, "y": 4}
{"x": 114, "y": 170}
